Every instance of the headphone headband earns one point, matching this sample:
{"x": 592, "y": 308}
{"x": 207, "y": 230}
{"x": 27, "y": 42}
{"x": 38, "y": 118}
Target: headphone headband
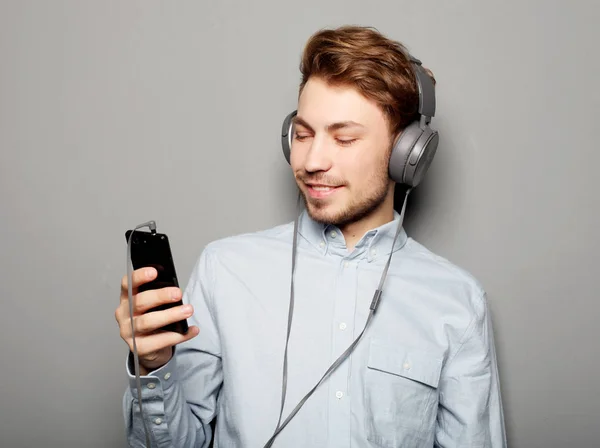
{"x": 426, "y": 89}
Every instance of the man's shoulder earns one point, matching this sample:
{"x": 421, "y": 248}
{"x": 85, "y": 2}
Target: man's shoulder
{"x": 252, "y": 243}
{"x": 442, "y": 266}
{"x": 445, "y": 276}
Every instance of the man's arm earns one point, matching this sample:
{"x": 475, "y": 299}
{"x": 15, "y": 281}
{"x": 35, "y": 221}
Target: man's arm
{"x": 179, "y": 398}
{"x": 470, "y": 413}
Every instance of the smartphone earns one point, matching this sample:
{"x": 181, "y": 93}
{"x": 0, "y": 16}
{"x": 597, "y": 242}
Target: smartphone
{"x": 153, "y": 250}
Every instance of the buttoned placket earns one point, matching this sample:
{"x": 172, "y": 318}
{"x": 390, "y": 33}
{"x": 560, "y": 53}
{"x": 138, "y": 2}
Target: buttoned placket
{"x": 343, "y": 333}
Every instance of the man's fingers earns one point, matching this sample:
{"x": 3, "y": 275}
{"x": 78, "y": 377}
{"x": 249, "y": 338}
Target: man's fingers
{"x": 151, "y": 343}
{"x": 147, "y": 300}
{"x": 154, "y": 320}
{"x": 140, "y": 277}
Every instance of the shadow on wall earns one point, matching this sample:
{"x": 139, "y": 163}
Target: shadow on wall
{"x": 411, "y": 207}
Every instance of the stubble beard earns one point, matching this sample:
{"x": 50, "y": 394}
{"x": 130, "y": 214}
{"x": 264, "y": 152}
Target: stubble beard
{"x": 356, "y": 208}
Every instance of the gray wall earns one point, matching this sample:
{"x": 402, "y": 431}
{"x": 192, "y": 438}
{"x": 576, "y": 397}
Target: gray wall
{"x": 114, "y": 112}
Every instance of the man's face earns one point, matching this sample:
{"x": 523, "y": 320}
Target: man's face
{"x": 340, "y": 153}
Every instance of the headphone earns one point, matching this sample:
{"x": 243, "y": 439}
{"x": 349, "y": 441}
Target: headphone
{"x": 415, "y": 147}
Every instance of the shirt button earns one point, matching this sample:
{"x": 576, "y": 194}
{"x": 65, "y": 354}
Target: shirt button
{"x": 339, "y": 394}
{"x": 373, "y": 252}
{"x": 333, "y": 234}
{"x": 151, "y": 385}
{"x": 322, "y": 243}
{"x": 346, "y": 264}
{"x": 167, "y": 375}
{"x": 157, "y": 421}
{"x": 406, "y": 366}
{"x": 343, "y": 326}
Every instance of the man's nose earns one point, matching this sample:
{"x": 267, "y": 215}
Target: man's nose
{"x": 318, "y": 157}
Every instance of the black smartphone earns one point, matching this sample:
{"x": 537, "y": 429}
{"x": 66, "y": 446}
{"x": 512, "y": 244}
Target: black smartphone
{"x": 153, "y": 250}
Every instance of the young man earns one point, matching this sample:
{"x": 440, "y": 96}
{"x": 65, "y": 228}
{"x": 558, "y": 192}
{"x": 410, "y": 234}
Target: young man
{"x": 424, "y": 371}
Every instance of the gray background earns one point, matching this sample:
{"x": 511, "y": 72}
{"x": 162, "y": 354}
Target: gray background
{"x": 116, "y": 112}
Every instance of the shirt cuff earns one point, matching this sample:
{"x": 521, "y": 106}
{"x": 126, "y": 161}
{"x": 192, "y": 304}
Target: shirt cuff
{"x": 162, "y": 378}
{"x": 157, "y": 388}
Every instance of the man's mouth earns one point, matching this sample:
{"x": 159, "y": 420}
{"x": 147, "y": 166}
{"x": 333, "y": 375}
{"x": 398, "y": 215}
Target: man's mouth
{"x": 321, "y": 191}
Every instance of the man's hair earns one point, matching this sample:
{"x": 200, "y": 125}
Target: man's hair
{"x": 363, "y": 58}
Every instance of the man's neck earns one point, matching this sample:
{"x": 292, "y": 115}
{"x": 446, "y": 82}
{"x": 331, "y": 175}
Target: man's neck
{"x": 353, "y": 232}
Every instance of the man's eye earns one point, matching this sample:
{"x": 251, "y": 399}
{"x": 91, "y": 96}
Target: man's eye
{"x": 346, "y": 141}
{"x": 300, "y": 137}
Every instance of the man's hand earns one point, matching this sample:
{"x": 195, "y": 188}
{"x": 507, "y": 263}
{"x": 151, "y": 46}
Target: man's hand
{"x": 155, "y": 348}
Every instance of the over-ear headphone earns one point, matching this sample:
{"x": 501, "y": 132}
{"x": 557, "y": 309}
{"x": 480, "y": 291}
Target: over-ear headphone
{"x": 416, "y": 145}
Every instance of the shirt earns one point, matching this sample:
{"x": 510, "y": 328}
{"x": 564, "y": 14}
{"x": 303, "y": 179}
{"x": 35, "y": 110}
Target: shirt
{"x": 424, "y": 374}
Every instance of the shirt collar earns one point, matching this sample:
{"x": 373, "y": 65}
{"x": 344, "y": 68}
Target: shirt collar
{"x": 328, "y": 239}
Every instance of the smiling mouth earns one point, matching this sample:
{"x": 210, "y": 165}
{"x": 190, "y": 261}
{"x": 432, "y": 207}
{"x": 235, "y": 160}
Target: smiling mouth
{"x": 321, "y": 191}
{"x": 321, "y": 187}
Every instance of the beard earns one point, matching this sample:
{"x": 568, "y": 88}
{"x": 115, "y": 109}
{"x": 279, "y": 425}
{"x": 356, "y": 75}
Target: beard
{"x": 355, "y": 208}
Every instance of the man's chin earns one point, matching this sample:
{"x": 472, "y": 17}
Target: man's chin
{"x": 321, "y": 212}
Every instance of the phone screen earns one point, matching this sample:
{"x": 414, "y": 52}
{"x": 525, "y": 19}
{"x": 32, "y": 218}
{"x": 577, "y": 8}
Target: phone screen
{"x": 154, "y": 250}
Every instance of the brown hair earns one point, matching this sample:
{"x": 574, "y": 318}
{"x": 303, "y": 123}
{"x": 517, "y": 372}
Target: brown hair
{"x": 363, "y": 58}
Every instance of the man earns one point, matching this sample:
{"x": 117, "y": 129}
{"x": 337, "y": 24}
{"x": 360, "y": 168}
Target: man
{"x": 424, "y": 372}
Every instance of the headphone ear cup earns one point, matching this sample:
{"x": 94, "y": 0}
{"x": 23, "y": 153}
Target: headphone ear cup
{"x": 421, "y": 157}
{"x": 412, "y": 154}
{"x": 287, "y": 135}
{"x": 401, "y": 151}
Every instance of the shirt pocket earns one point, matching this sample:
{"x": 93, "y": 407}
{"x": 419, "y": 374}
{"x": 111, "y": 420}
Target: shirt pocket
{"x": 400, "y": 395}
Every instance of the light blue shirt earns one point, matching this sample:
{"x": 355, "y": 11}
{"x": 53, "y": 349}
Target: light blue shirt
{"x": 423, "y": 375}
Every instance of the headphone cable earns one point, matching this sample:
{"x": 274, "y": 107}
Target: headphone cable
{"x": 152, "y": 226}
{"x": 373, "y": 307}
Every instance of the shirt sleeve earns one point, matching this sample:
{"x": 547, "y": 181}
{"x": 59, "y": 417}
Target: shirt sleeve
{"x": 470, "y": 413}
{"x": 179, "y": 399}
